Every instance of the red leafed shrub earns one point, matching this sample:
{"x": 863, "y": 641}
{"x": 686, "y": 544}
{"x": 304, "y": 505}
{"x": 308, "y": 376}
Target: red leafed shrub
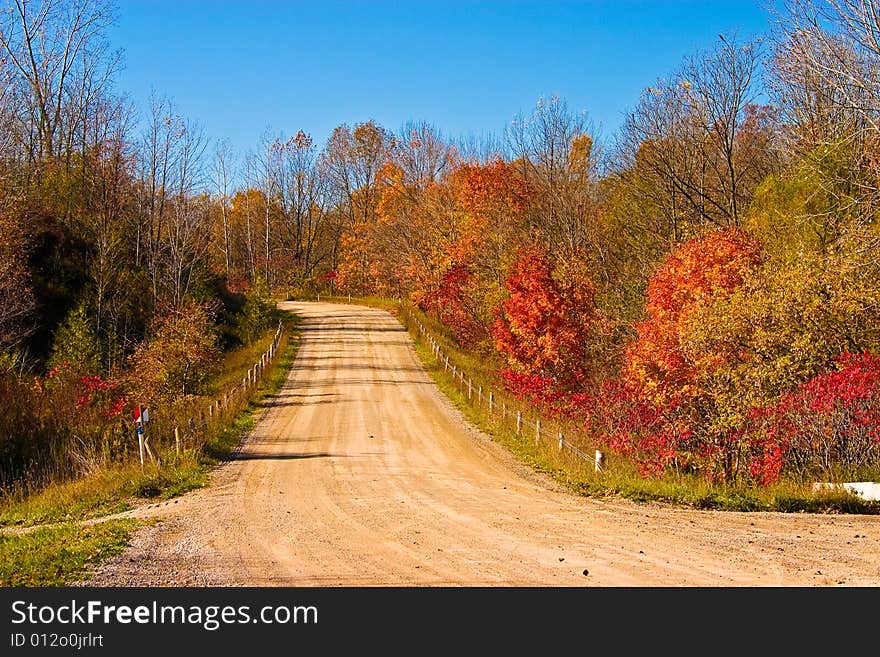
{"x": 545, "y": 326}
{"x": 539, "y": 390}
{"x": 659, "y": 408}
{"x": 450, "y": 303}
{"x": 830, "y": 425}
{"x": 103, "y": 395}
{"x": 81, "y": 399}
{"x": 628, "y": 423}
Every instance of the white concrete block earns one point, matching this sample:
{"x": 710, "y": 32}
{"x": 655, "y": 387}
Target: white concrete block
{"x": 868, "y": 490}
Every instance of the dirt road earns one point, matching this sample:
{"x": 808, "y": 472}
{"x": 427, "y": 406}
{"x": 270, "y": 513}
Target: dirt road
{"x": 362, "y": 473}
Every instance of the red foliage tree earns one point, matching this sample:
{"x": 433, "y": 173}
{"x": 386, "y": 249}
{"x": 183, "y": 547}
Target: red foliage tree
{"x": 544, "y": 327}
{"x": 450, "y": 304}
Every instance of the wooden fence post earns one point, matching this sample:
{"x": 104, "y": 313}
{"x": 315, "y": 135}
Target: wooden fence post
{"x": 176, "y": 440}
{"x": 469, "y": 388}
{"x": 518, "y": 422}
{"x": 538, "y": 430}
{"x": 491, "y": 401}
{"x": 561, "y": 441}
{"x": 599, "y": 461}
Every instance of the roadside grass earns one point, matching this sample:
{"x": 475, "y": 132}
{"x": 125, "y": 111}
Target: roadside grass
{"x": 58, "y": 555}
{"x": 102, "y": 493}
{"x": 123, "y": 485}
{"x": 618, "y": 477}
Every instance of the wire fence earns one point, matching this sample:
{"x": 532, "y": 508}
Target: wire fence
{"x": 498, "y": 405}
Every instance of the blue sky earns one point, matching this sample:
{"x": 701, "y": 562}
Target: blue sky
{"x": 241, "y": 68}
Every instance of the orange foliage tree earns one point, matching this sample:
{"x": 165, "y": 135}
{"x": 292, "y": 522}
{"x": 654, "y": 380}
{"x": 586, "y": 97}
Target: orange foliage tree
{"x": 483, "y": 205}
{"x": 661, "y": 383}
{"x": 696, "y": 273}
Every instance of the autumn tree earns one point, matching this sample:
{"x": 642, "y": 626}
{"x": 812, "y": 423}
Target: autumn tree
{"x": 824, "y": 77}
{"x": 223, "y": 171}
{"x": 176, "y": 358}
{"x": 414, "y": 213}
{"x": 546, "y": 325}
{"x": 787, "y": 323}
{"x": 174, "y": 217}
{"x": 304, "y": 198}
{"x": 557, "y": 155}
{"x": 665, "y": 379}
{"x": 833, "y": 46}
{"x": 693, "y": 275}
{"x": 353, "y": 158}
{"x": 243, "y": 217}
{"x": 491, "y": 204}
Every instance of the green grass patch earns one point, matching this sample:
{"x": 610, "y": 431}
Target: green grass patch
{"x": 59, "y": 555}
{"x": 107, "y": 491}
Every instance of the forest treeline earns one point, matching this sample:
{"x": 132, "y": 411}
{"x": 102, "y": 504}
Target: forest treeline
{"x": 700, "y": 290}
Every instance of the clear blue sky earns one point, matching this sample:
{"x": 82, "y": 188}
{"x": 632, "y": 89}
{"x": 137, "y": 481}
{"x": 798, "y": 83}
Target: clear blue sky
{"x": 467, "y": 67}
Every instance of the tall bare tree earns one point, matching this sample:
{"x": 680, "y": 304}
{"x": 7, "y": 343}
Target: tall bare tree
{"x": 223, "y": 157}
{"x": 57, "y": 47}
{"x": 557, "y": 153}
{"x": 698, "y": 142}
